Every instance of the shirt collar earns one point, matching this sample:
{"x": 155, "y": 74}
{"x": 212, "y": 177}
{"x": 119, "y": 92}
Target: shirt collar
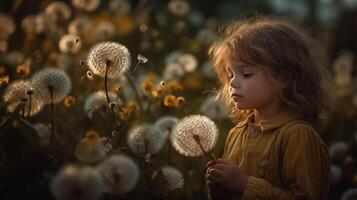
{"x": 274, "y": 122}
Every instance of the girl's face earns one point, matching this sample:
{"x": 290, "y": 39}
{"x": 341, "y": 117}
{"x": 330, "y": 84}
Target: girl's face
{"x": 250, "y": 87}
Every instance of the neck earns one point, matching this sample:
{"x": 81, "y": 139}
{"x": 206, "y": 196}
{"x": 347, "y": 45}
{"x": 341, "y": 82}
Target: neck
{"x": 266, "y": 113}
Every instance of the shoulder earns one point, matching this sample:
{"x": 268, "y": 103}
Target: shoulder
{"x": 300, "y": 133}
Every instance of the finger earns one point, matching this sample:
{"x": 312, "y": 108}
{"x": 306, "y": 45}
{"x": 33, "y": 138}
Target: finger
{"x": 221, "y": 167}
{"x": 221, "y": 161}
{"x": 210, "y": 163}
{"x": 215, "y": 172}
{"x": 214, "y": 179}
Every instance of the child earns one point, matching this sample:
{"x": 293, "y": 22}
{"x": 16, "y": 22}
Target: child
{"x": 275, "y": 83}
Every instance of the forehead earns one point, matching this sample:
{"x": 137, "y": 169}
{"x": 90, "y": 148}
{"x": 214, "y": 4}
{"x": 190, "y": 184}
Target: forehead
{"x": 237, "y": 64}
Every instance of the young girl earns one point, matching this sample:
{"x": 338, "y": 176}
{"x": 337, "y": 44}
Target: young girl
{"x": 275, "y": 83}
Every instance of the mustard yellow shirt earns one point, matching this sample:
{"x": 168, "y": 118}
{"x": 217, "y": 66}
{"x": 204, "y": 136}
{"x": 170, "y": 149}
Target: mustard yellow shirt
{"x": 283, "y": 157}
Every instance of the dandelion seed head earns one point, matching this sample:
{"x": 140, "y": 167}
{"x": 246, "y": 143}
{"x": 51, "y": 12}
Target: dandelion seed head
{"x": 206, "y": 36}
{"x": 70, "y": 44}
{"x": 336, "y": 173}
{"x": 145, "y": 139}
{"x": 77, "y": 183}
{"x": 119, "y": 173}
{"x": 188, "y": 61}
{"x": 214, "y": 109}
{"x": 200, "y": 125}
{"x": 57, "y": 79}
{"x": 173, "y": 71}
{"x": 338, "y": 150}
{"x": 58, "y": 11}
{"x": 33, "y": 24}
{"x": 179, "y": 7}
{"x": 120, "y": 6}
{"x": 16, "y": 91}
{"x": 90, "y": 150}
{"x": 208, "y": 70}
{"x": 166, "y": 124}
{"x": 86, "y": 5}
{"x": 116, "y": 54}
{"x": 350, "y": 194}
{"x": 98, "y": 100}
{"x": 79, "y": 26}
{"x": 7, "y": 26}
{"x": 104, "y": 30}
{"x": 173, "y": 177}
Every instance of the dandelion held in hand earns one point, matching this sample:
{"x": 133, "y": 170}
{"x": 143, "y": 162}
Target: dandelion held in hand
{"x": 192, "y": 131}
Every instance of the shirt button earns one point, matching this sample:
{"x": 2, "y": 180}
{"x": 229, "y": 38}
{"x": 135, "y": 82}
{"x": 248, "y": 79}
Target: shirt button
{"x": 261, "y": 173}
{"x": 251, "y": 130}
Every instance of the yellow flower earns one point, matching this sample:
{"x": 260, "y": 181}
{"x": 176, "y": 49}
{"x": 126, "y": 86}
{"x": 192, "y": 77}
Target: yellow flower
{"x": 92, "y": 137}
{"x": 146, "y": 87}
{"x": 170, "y": 100}
{"x": 132, "y": 106}
{"x": 4, "y": 80}
{"x": 174, "y": 86}
{"x": 69, "y": 101}
{"x": 23, "y": 70}
{"x": 179, "y": 101}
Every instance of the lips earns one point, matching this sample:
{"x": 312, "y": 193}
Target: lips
{"x": 236, "y": 97}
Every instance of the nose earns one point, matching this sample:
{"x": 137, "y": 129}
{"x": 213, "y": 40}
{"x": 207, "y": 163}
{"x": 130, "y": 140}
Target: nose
{"x": 235, "y": 82}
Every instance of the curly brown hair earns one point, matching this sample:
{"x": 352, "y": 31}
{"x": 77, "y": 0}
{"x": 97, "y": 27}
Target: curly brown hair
{"x": 285, "y": 53}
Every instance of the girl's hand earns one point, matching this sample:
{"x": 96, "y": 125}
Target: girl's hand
{"x": 226, "y": 174}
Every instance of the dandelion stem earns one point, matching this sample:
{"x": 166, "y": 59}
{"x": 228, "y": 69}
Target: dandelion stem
{"x": 197, "y": 140}
{"x": 50, "y": 89}
{"x": 148, "y": 106}
{"x": 105, "y": 80}
{"x": 30, "y": 102}
{"x": 136, "y": 93}
{"x": 136, "y": 66}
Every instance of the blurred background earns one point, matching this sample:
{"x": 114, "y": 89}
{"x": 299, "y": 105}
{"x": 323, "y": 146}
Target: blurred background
{"x": 173, "y": 76}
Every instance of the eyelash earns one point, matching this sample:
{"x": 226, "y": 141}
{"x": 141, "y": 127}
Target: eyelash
{"x": 244, "y": 75}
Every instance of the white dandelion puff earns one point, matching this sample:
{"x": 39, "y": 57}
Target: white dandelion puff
{"x": 191, "y": 127}
{"x": 350, "y": 194}
{"x": 120, "y": 6}
{"x": 104, "y": 30}
{"x": 166, "y": 124}
{"x": 87, "y": 152}
{"x": 52, "y": 79}
{"x": 179, "y": 7}
{"x": 86, "y": 5}
{"x": 338, "y": 150}
{"x": 214, "y": 109}
{"x": 336, "y": 173}
{"x": 173, "y": 177}
{"x": 98, "y": 100}
{"x": 79, "y": 26}
{"x": 18, "y": 90}
{"x": 173, "y": 71}
{"x": 119, "y": 173}
{"x": 58, "y": 11}
{"x": 208, "y": 70}
{"x": 113, "y": 54}
{"x": 70, "y": 44}
{"x": 77, "y": 183}
{"x": 34, "y": 24}
{"x": 188, "y": 61}
{"x": 145, "y": 139}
